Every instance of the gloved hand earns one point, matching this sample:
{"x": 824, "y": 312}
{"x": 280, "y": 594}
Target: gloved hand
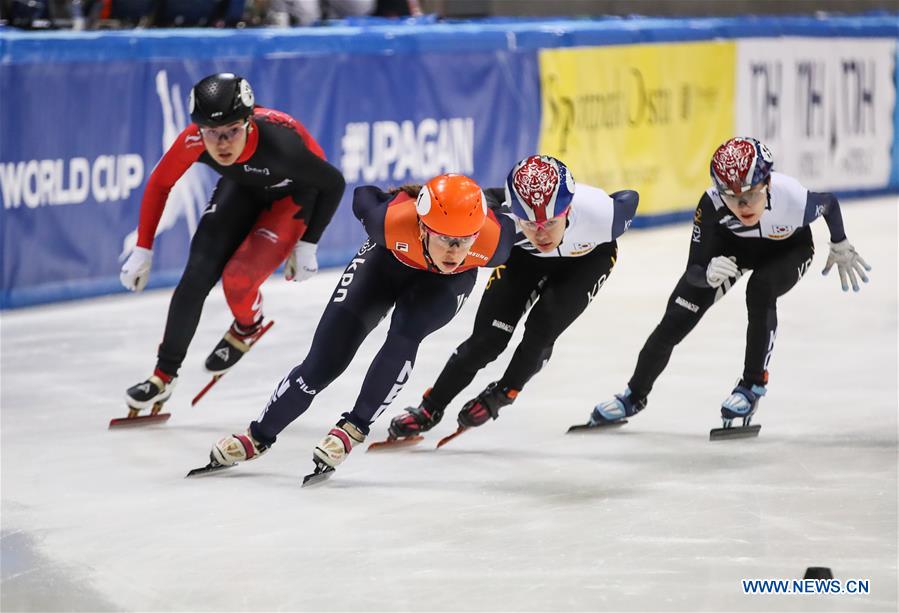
{"x": 720, "y": 269}
{"x": 136, "y": 269}
{"x": 849, "y": 263}
{"x": 302, "y": 263}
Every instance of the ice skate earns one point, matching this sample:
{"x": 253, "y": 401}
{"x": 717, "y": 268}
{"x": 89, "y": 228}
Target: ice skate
{"x": 406, "y": 428}
{"x": 486, "y": 405}
{"x": 150, "y": 394}
{"x": 236, "y": 342}
{"x": 612, "y": 413}
{"x": 237, "y": 448}
{"x": 482, "y": 408}
{"x": 230, "y": 450}
{"x": 333, "y": 450}
{"x": 741, "y": 404}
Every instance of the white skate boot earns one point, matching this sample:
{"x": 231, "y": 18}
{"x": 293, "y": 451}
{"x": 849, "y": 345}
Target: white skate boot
{"x": 741, "y": 404}
{"x": 332, "y": 450}
{"x": 235, "y": 448}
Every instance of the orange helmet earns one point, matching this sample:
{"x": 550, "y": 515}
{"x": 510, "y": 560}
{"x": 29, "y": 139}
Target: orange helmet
{"x": 452, "y": 204}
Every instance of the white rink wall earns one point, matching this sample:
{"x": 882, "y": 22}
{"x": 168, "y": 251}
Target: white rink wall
{"x": 512, "y": 516}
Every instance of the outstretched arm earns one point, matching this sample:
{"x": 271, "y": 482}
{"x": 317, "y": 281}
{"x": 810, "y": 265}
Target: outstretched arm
{"x": 850, "y": 265}
{"x": 826, "y": 204}
{"x": 186, "y": 149}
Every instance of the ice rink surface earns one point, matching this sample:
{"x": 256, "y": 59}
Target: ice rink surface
{"x": 515, "y": 515}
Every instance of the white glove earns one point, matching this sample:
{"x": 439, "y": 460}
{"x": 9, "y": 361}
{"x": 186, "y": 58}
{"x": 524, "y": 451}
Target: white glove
{"x": 849, "y": 263}
{"x": 136, "y": 269}
{"x": 720, "y": 269}
{"x": 301, "y": 264}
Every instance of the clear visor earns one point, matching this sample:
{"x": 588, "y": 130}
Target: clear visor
{"x": 452, "y": 241}
{"x": 228, "y": 133}
{"x": 749, "y": 196}
{"x": 549, "y": 224}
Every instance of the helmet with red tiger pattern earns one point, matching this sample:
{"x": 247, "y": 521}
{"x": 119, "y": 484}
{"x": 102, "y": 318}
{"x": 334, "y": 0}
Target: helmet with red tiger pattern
{"x": 539, "y": 188}
{"x": 739, "y": 164}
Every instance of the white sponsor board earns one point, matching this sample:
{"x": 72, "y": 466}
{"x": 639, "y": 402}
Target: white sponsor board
{"x": 823, "y": 105}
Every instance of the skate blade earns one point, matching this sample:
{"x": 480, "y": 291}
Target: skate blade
{"x": 213, "y": 381}
{"x": 140, "y": 420}
{"x": 447, "y": 439}
{"x": 208, "y": 470}
{"x": 592, "y": 427}
{"x": 395, "y": 444}
{"x": 723, "y": 434}
{"x": 317, "y": 477}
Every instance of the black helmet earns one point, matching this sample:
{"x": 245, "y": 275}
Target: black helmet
{"x": 220, "y": 99}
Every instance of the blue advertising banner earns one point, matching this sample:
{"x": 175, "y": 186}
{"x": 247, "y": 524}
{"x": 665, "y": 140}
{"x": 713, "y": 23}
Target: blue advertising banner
{"x": 93, "y": 112}
{"x": 390, "y": 120}
{"x": 894, "y": 175}
{"x": 74, "y": 164}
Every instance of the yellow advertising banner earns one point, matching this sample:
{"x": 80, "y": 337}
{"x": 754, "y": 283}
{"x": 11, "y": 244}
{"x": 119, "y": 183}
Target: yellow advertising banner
{"x": 643, "y": 117}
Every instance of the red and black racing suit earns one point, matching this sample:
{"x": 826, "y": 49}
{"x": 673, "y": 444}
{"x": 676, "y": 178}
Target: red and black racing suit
{"x": 279, "y": 189}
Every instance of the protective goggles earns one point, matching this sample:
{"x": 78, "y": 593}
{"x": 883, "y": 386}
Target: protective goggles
{"x": 227, "y": 133}
{"x": 452, "y": 241}
{"x": 750, "y": 196}
{"x": 546, "y": 224}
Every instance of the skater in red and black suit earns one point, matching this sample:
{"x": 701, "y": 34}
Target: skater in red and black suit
{"x": 276, "y": 195}
{"x": 425, "y": 244}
